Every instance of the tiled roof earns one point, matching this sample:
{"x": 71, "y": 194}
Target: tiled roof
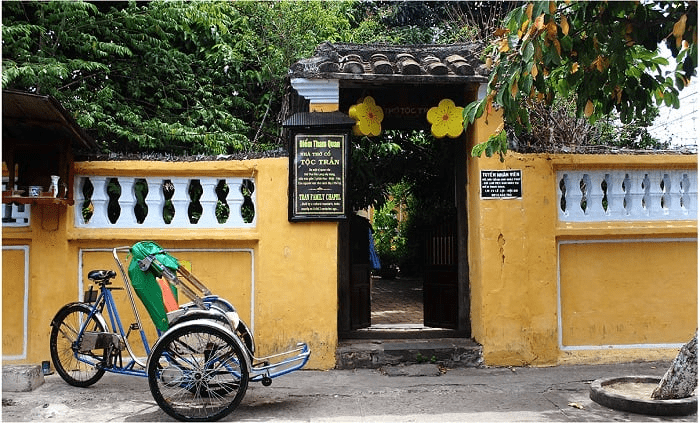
{"x": 406, "y": 63}
{"x": 33, "y": 118}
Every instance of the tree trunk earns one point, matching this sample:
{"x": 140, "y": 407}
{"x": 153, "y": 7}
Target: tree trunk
{"x": 682, "y": 378}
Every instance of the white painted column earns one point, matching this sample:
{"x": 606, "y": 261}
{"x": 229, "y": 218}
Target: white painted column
{"x": 234, "y": 199}
{"x": 154, "y": 201}
{"x": 594, "y": 206}
{"x": 99, "y": 201}
{"x": 208, "y": 202}
{"x": 655, "y": 193}
{"x": 181, "y": 202}
{"x": 616, "y": 195}
{"x": 127, "y": 201}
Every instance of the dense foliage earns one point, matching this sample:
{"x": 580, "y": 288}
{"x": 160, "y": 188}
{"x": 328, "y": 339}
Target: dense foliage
{"x": 604, "y": 54}
{"x": 169, "y": 76}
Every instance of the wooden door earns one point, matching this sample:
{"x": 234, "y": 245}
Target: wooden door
{"x": 440, "y": 286}
{"x": 360, "y": 305}
{"x": 360, "y": 273}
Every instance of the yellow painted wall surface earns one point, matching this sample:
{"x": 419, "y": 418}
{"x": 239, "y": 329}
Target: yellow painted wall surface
{"x": 613, "y": 292}
{"x": 280, "y": 267}
{"x": 14, "y": 292}
{"x": 513, "y": 261}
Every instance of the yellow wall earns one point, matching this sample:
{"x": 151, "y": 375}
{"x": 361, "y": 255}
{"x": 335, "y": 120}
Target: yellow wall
{"x": 283, "y": 267}
{"x": 599, "y": 307}
{"x": 527, "y": 285}
{"x": 14, "y": 281}
{"x": 637, "y": 296}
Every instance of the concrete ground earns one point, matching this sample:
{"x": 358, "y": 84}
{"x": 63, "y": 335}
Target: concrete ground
{"x": 392, "y": 393}
{"x": 417, "y": 393}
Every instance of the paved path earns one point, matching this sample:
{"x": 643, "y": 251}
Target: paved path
{"x": 397, "y": 301}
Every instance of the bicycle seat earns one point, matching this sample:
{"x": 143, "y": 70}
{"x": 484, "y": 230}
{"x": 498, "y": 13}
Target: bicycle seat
{"x": 101, "y": 275}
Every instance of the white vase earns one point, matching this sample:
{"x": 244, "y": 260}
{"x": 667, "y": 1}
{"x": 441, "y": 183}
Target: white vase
{"x": 53, "y": 189}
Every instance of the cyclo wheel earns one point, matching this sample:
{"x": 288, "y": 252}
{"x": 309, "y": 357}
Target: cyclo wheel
{"x": 77, "y": 368}
{"x": 198, "y": 372}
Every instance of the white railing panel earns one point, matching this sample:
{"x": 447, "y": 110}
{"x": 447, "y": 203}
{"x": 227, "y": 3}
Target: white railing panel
{"x": 157, "y": 213}
{"x": 14, "y": 215}
{"x": 617, "y": 195}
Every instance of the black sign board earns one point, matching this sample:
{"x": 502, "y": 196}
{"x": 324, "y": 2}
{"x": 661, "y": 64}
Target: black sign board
{"x": 317, "y": 176}
{"x": 501, "y": 184}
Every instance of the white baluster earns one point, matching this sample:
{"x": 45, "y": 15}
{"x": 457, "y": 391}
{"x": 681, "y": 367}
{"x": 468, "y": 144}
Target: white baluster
{"x": 655, "y": 194}
{"x": 155, "y": 200}
{"x": 594, "y": 209}
{"x": 690, "y": 194}
{"x": 693, "y": 192}
{"x": 253, "y": 198}
{"x": 181, "y": 202}
{"x": 127, "y": 200}
{"x": 99, "y": 201}
{"x": 635, "y": 194}
{"x": 673, "y": 195}
{"x": 234, "y": 199}
{"x": 561, "y": 192}
{"x": 574, "y": 196}
{"x": 616, "y": 195}
{"x": 79, "y": 199}
{"x": 208, "y": 202}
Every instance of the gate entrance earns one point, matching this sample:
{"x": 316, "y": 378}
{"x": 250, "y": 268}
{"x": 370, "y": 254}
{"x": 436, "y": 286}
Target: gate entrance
{"x": 424, "y": 290}
{"x": 405, "y": 82}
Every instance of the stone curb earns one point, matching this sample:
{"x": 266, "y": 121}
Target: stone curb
{"x": 21, "y": 378}
{"x": 673, "y": 407}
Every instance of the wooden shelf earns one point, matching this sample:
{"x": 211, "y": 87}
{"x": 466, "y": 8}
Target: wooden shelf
{"x": 7, "y": 198}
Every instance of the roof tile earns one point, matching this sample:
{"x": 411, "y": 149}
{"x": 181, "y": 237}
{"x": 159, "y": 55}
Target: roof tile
{"x": 406, "y": 62}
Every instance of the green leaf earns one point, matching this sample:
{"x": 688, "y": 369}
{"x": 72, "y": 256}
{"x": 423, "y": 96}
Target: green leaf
{"x": 478, "y": 149}
{"x": 474, "y": 110}
{"x": 528, "y": 53}
{"x": 526, "y": 85}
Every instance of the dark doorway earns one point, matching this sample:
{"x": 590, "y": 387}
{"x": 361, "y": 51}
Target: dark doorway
{"x": 428, "y": 288}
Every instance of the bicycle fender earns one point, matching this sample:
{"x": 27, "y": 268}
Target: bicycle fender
{"x": 194, "y": 314}
{"x": 86, "y": 308}
{"x": 210, "y": 324}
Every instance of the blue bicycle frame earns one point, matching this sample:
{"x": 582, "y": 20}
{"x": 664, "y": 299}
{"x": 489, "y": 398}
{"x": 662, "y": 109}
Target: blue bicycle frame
{"x": 106, "y": 299}
{"x": 261, "y": 369}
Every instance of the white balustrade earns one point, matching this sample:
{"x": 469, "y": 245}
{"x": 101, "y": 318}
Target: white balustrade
{"x": 155, "y": 191}
{"x": 602, "y": 195}
{"x": 14, "y": 214}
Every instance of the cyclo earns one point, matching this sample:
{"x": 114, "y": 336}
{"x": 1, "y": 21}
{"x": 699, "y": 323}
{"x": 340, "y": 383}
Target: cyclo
{"x": 199, "y": 367}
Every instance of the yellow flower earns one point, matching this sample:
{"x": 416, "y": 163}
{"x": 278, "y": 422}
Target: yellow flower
{"x": 446, "y": 119}
{"x": 368, "y": 117}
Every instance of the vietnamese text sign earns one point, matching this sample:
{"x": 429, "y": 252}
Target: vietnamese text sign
{"x": 319, "y": 176}
{"x": 501, "y": 184}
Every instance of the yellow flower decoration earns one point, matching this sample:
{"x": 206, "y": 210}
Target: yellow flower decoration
{"x": 446, "y": 119}
{"x": 368, "y": 117}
